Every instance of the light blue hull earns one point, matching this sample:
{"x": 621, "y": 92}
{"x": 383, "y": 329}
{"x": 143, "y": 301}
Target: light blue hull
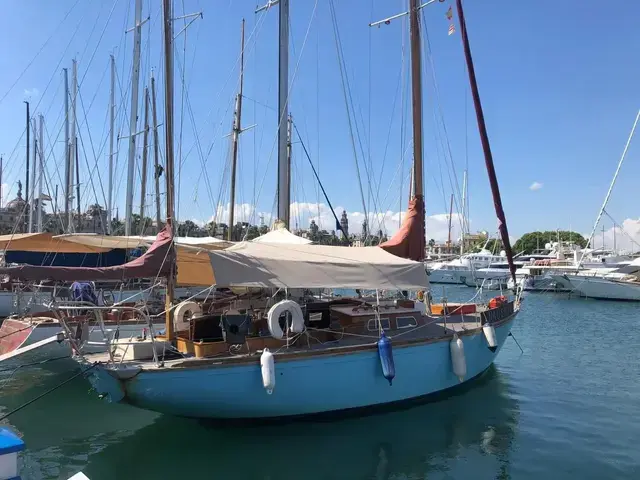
{"x": 303, "y": 386}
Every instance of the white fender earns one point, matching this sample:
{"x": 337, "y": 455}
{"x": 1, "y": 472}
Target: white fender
{"x": 183, "y": 313}
{"x": 490, "y": 335}
{"x": 457, "y": 357}
{"x": 268, "y": 371}
{"x": 273, "y": 318}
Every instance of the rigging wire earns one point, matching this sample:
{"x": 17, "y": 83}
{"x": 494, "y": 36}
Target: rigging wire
{"x": 344, "y": 91}
{"x": 40, "y": 50}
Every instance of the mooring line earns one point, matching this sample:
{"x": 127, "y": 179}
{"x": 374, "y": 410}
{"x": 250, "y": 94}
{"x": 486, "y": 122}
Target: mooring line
{"x": 26, "y": 404}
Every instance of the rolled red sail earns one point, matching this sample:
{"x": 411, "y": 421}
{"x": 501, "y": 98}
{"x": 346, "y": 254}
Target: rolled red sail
{"x": 409, "y": 241}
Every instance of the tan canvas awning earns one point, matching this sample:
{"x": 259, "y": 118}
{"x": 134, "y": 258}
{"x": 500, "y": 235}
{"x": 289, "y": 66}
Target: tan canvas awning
{"x": 45, "y": 242}
{"x": 314, "y": 266}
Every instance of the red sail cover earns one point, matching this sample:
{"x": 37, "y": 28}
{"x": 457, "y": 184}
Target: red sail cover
{"x": 409, "y": 241}
{"x": 155, "y": 262}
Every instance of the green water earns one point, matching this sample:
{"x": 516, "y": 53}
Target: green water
{"x": 569, "y": 407}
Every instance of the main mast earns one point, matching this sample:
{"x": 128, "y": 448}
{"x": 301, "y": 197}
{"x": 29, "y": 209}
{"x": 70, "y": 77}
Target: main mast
{"x": 38, "y": 201}
{"x": 133, "y": 119}
{"x": 168, "y": 124}
{"x": 112, "y": 113}
{"x": 237, "y": 129}
{"x": 145, "y": 149}
{"x": 486, "y": 147}
{"x": 284, "y": 170}
{"x": 27, "y": 213}
{"x": 156, "y": 148}
{"x": 409, "y": 241}
{"x": 73, "y": 150}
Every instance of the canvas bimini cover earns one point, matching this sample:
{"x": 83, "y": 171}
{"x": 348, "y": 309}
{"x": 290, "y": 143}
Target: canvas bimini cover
{"x": 253, "y": 264}
{"x": 155, "y": 262}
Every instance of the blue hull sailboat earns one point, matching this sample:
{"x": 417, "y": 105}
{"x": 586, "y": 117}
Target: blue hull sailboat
{"x": 272, "y": 346}
{"x": 334, "y": 380}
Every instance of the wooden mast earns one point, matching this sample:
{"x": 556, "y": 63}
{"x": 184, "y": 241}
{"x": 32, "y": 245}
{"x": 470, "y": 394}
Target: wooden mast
{"x": 416, "y": 99}
{"x": 409, "y": 241}
{"x": 484, "y": 137}
{"x": 235, "y": 135}
{"x": 168, "y": 122}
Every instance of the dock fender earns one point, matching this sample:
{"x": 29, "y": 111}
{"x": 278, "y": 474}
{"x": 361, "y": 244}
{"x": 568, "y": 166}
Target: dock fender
{"x": 490, "y": 334}
{"x": 458, "y": 360}
{"x": 268, "y": 367}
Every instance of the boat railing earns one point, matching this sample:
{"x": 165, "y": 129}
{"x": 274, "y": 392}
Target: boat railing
{"x": 97, "y": 310}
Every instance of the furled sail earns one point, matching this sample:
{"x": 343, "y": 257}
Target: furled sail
{"x": 409, "y": 241}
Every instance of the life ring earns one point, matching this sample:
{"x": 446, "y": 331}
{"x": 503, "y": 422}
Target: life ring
{"x": 273, "y": 318}
{"x": 185, "y": 309}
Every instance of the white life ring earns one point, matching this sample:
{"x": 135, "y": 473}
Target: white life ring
{"x": 273, "y": 318}
{"x": 185, "y": 309}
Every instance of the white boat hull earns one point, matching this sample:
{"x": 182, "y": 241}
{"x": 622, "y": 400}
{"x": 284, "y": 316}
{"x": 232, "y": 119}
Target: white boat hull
{"x": 603, "y": 288}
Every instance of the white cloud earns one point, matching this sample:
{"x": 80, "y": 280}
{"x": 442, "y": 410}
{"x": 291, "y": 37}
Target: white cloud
{"x": 302, "y": 214}
{"x": 625, "y": 236}
{"x": 31, "y": 92}
{"x": 535, "y": 186}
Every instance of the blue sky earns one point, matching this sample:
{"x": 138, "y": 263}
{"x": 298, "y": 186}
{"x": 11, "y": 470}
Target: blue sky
{"x": 559, "y": 83}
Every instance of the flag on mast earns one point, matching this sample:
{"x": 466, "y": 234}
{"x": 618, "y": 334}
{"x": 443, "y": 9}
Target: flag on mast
{"x": 452, "y": 29}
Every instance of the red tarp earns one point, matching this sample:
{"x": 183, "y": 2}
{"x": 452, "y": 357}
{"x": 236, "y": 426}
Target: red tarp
{"x": 155, "y": 262}
{"x": 409, "y": 241}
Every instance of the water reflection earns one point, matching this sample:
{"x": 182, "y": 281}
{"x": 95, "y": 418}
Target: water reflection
{"x": 433, "y": 439}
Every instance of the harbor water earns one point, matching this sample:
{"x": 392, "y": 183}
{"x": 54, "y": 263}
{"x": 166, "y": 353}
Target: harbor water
{"x": 565, "y": 408}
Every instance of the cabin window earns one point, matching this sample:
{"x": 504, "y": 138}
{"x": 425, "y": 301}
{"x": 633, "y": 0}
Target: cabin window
{"x": 372, "y": 324}
{"x": 406, "y": 322}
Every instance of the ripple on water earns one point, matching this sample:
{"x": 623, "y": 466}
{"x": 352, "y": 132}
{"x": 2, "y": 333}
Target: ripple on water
{"x": 566, "y": 408}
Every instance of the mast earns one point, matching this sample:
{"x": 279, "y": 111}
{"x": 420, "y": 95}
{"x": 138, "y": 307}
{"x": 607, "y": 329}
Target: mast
{"x": 67, "y": 154}
{"x": 416, "y": 92}
{"x": 409, "y": 241}
{"x": 464, "y": 211}
{"x": 27, "y": 165}
{"x": 283, "y": 109}
{"x": 235, "y": 136}
{"x": 73, "y": 150}
{"x": 1, "y": 159}
{"x": 112, "y": 113}
{"x": 78, "y": 184}
{"x": 34, "y": 162}
{"x": 156, "y": 147}
{"x": 611, "y": 185}
{"x": 145, "y": 148}
{"x": 484, "y": 137}
{"x": 168, "y": 114}
{"x": 133, "y": 119}
{"x": 450, "y": 218}
{"x": 40, "y": 174}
